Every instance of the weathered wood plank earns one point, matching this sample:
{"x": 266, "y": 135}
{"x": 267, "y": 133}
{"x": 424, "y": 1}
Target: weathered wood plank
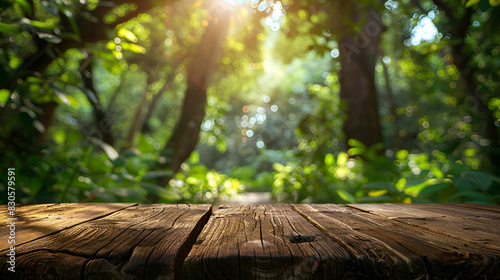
{"x": 479, "y": 207}
{"x": 139, "y": 242}
{"x": 264, "y": 242}
{"x": 383, "y": 241}
{"x": 20, "y": 208}
{"x": 454, "y": 226}
{"x": 41, "y": 220}
{"x": 411, "y": 252}
{"x": 376, "y": 259}
{"x": 467, "y": 213}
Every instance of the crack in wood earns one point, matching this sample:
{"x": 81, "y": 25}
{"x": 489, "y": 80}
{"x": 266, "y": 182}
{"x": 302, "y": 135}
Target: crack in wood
{"x": 186, "y": 247}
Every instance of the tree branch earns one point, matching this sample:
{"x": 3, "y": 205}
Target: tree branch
{"x": 416, "y": 3}
{"x": 447, "y": 9}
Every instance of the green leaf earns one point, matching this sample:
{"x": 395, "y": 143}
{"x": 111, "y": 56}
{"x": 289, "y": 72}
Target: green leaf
{"x": 90, "y": 95}
{"x": 4, "y": 95}
{"x": 110, "y": 151}
{"x": 279, "y": 167}
{"x": 377, "y": 193}
{"x": 342, "y": 159}
{"x": 70, "y": 36}
{"x": 356, "y": 144}
{"x": 494, "y": 2}
{"x": 356, "y": 151}
{"x": 161, "y": 192}
{"x": 26, "y": 6}
{"x": 35, "y": 80}
{"x": 471, "y": 2}
{"x": 40, "y": 24}
{"x": 119, "y": 162}
{"x": 402, "y": 154}
{"x": 437, "y": 172}
{"x": 127, "y": 34}
{"x": 329, "y": 159}
{"x": 130, "y": 153}
{"x": 194, "y": 158}
{"x": 474, "y": 180}
{"x": 133, "y": 47}
{"x": 379, "y": 186}
{"x": 157, "y": 174}
{"x": 414, "y": 187}
{"x": 49, "y": 38}
{"x": 59, "y": 93}
{"x": 377, "y": 199}
{"x": 346, "y": 196}
{"x": 432, "y": 189}
{"x": 471, "y": 196}
{"x": 8, "y": 28}
{"x": 400, "y": 184}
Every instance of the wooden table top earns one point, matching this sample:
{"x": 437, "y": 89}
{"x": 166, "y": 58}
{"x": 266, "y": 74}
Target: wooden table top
{"x": 297, "y": 241}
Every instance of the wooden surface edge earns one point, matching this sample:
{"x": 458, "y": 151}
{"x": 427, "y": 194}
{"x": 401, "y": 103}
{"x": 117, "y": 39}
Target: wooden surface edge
{"x": 55, "y": 231}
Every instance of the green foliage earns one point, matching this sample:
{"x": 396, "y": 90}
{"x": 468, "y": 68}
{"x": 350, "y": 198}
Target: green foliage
{"x": 197, "y": 184}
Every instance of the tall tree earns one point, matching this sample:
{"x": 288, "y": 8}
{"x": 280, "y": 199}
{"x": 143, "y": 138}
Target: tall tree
{"x": 356, "y": 27}
{"x": 102, "y": 121}
{"x": 358, "y": 53}
{"x": 200, "y": 70}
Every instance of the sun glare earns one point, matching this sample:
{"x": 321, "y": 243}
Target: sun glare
{"x": 275, "y": 10}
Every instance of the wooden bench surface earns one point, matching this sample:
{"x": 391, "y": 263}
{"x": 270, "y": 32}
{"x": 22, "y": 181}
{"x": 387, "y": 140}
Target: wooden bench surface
{"x": 298, "y": 241}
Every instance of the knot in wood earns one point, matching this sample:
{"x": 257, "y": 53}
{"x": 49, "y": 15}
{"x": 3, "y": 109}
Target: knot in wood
{"x": 301, "y": 238}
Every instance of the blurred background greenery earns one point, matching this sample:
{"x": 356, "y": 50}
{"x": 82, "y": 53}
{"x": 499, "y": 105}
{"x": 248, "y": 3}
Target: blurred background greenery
{"x": 197, "y": 101}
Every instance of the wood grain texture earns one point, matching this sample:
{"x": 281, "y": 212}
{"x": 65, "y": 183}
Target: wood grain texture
{"x": 139, "y": 242}
{"x": 450, "y": 223}
{"x": 35, "y": 221}
{"x": 264, "y": 242}
{"x": 402, "y": 250}
{"x": 463, "y": 212}
{"x": 317, "y": 241}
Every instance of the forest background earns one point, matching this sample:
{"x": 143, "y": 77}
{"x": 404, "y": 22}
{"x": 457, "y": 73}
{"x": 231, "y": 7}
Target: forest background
{"x": 197, "y": 101}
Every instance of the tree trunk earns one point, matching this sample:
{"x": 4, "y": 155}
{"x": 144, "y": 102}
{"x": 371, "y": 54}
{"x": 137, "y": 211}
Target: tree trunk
{"x": 102, "y": 121}
{"x": 392, "y": 105}
{"x": 187, "y": 129}
{"x": 357, "y": 82}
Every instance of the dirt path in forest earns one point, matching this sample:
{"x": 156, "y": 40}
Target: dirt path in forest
{"x": 248, "y": 198}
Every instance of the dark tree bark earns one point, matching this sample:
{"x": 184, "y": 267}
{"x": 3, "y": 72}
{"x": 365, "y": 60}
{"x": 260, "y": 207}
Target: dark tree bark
{"x": 357, "y": 82}
{"x": 103, "y": 122}
{"x": 186, "y": 132}
{"x": 392, "y": 105}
